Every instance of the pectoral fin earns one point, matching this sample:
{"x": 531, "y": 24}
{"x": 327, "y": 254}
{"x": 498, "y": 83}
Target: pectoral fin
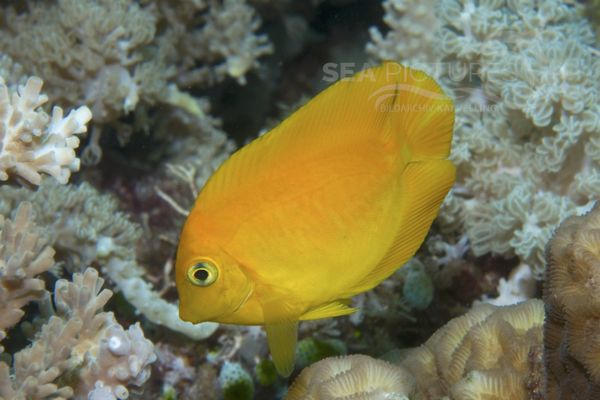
{"x": 333, "y": 309}
{"x": 282, "y": 337}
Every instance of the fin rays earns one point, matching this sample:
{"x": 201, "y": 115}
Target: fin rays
{"x": 333, "y": 309}
{"x": 424, "y": 186}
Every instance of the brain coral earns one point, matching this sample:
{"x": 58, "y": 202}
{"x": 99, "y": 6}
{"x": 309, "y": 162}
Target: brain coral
{"x": 491, "y": 353}
{"x": 525, "y": 76}
{"x": 351, "y": 377}
{"x": 572, "y": 299}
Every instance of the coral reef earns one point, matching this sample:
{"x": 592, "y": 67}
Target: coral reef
{"x": 490, "y": 352}
{"x": 140, "y": 66}
{"x": 349, "y": 377}
{"x": 174, "y": 87}
{"x": 572, "y": 300}
{"x": 236, "y": 382}
{"x": 520, "y": 286}
{"x": 219, "y": 34}
{"x": 88, "y": 52}
{"x": 24, "y": 254}
{"x": 10, "y": 71}
{"x": 593, "y": 14}
{"x": 87, "y": 226}
{"x": 311, "y": 350}
{"x": 79, "y": 351}
{"x": 417, "y": 290}
{"x": 412, "y": 31}
{"x": 122, "y": 56}
{"x": 525, "y": 78}
{"x": 34, "y": 143}
{"x": 265, "y": 372}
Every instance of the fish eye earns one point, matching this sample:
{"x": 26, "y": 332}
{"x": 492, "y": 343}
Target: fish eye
{"x": 203, "y": 273}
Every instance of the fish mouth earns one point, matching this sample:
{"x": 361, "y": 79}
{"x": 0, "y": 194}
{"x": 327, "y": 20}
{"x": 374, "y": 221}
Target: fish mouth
{"x": 191, "y": 314}
{"x": 187, "y": 316}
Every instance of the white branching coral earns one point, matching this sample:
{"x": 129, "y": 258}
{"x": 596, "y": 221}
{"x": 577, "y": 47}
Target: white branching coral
{"x": 10, "y": 71}
{"x": 412, "y": 33}
{"x": 33, "y": 143}
{"x": 210, "y": 40}
{"x": 80, "y": 350}
{"x": 24, "y": 254}
{"x": 525, "y": 77}
{"x": 88, "y": 227}
{"x": 225, "y": 36}
{"x": 118, "y": 55}
{"x": 86, "y": 51}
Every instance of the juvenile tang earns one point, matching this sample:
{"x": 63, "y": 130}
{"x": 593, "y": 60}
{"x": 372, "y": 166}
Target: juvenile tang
{"x": 323, "y": 207}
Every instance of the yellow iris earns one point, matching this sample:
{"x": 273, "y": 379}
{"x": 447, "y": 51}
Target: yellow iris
{"x": 203, "y": 273}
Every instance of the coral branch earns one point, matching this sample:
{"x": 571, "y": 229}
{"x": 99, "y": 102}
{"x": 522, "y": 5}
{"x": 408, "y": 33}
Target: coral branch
{"x": 31, "y": 142}
{"x": 24, "y": 254}
{"x": 80, "y": 351}
{"x": 87, "y": 226}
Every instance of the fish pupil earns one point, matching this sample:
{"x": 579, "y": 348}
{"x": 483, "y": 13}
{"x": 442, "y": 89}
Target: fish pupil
{"x": 201, "y": 274}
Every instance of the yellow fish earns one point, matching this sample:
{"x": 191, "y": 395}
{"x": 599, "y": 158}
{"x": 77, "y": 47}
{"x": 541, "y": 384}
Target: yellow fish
{"x": 323, "y": 207}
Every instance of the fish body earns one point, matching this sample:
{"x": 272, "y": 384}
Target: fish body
{"x": 323, "y": 207}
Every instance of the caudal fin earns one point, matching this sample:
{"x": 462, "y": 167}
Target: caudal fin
{"x": 421, "y": 113}
{"x": 424, "y": 187}
{"x": 421, "y": 120}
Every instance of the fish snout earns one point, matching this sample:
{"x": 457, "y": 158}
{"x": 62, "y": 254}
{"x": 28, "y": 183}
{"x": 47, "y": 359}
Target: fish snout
{"x": 194, "y": 314}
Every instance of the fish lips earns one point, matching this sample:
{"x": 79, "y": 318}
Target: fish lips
{"x": 187, "y": 315}
{"x": 190, "y": 312}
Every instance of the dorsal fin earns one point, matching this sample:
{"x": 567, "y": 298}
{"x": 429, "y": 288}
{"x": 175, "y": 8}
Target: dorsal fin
{"x": 376, "y": 105}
